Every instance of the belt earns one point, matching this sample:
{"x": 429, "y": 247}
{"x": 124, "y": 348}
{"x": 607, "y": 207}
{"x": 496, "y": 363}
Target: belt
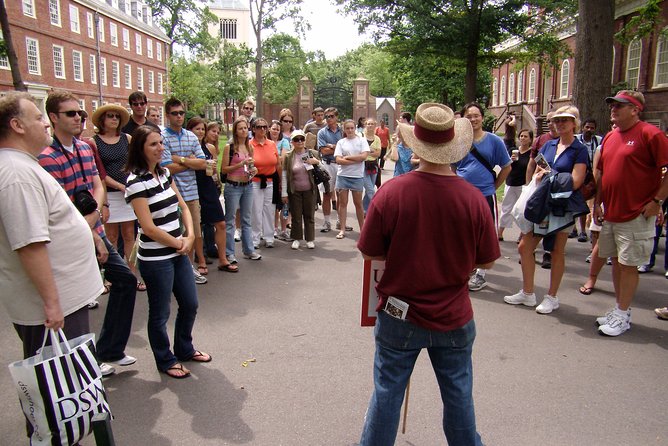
{"x": 330, "y": 161}
{"x": 237, "y": 183}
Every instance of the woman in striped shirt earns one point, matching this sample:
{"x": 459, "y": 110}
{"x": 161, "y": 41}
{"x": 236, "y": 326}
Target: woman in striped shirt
{"x": 163, "y": 252}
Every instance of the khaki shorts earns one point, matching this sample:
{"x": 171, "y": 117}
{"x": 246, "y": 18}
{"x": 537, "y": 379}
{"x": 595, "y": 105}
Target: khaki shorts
{"x": 631, "y": 241}
{"x": 193, "y": 207}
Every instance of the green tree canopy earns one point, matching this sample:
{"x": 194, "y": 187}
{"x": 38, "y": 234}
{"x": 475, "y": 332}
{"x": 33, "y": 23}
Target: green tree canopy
{"x": 284, "y": 64}
{"x": 186, "y": 23}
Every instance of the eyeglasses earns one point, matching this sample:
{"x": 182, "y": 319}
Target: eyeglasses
{"x": 138, "y": 104}
{"x": 298, "y": 139}
{"x": 177, "y": 113}
{"x": 330, "y": 116}
{"x": 287, "y": 122}
{"x": 261, "y": 127}
{"x": 72, "y": 113}
{"x": 249, "y": 108}
{"x": 113, "y": 116}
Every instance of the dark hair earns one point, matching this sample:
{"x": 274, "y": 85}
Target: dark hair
{"x": 530, "y": 134}
{"x": 260, "y": 118}
{"x": 235, "y": 139}
{"x": 280, "y": 135}
{"x": 172, "y": 102}
{"x": 591, "y": 121}
{"x": 407, "y": 116}
{"x": 510, "y": 134}
{"x": 136, "y": 160}
{"x": 316, "y": 110}
{"x": 361, "y": 121}
{"x": 56, "y": 98}
{"x": 332, "y": 110}
{"x": 137, "y": 96}
{"x": 10, "y": 108}
{"x": 194, "y": 122}
{"x": 473, "y": 104}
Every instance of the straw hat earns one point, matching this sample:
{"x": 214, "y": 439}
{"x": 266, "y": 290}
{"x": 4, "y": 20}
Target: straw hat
{"x": 437, "y": 136}
{"x": 99, "y": 114}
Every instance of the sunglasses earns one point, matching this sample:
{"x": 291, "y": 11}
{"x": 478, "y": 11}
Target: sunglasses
{"x": 261, "y": 127}
{"x": 113, "y": 116}
{"x": 330, "y": 116}
{"x": 287, "y": 122}
{"x": 72, "y": 113}
{"x": 177, "y": 113}
{"x": 249, "y": 108}
{"x": 138, "y": 104}
{"x": 298, "y": 139}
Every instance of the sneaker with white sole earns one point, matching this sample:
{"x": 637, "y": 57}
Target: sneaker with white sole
{"x": 253, "y": 256}
{"x": 125, "y": 361}
{"x": 528, "y": 299}
{"x": 295, "y": 244}
{"x": 326, "y": 227}
{"x": 617, "y": 324}
{"x": 548, "y": 305}
{"x": 588, "y": 259}
{"x": 106, "y": 369}
{"x": 199, "y": 279}
{"x": 644, "y": 269}
{"x": 237, "y": 235}
{"x": 93, "y": 305}
{"x": 310, "y": 245}
{"x": 232, "y": 259}
{"x": 268, "y": 244}
{"x": 604, "y": 319}
{"x": 477, "y": 282}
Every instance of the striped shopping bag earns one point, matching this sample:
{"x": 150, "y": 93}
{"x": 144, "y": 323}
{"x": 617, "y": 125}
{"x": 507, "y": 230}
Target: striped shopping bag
{"x": 60, "y": 389}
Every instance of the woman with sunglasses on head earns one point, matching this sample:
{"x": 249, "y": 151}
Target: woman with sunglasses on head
{"x": 299, "y": 189}
{"x": 112, "y": 145}
{"x": 163, "y": 252}
{"x": 287, "y": 121}
{"x": 563, "y": 155}
{"x": 237, "y": 165}
{"x": 210, "y": 207}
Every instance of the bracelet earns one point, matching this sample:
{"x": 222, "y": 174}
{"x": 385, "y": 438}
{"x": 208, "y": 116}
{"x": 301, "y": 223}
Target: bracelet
{"x": 99, "y": 212}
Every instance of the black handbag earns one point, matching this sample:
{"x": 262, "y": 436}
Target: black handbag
{"x": 321, "y": 176}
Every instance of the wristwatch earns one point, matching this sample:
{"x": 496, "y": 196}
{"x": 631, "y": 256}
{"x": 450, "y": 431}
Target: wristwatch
{"x": 182, "y": 160}
{"x": 657, "y": 201}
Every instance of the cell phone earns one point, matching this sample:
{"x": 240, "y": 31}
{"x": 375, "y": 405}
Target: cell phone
{"x": 542, "y": 162}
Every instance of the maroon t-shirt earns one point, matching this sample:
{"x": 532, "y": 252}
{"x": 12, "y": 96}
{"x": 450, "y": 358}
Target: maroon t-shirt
{"x": 432, "y": 230}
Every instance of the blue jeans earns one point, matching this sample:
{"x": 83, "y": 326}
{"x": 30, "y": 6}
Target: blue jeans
{"x": 398, "y": 344}
{"x": 369, "y": 189}
{"x": 162, "y": 277}
{"x": 117, "y": 323}
{"x": 238, "y": 197}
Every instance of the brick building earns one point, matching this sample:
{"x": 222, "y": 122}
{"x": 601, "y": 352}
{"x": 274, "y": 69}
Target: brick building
{"x": 531, "y": 90}
{"x": 58, "y": 48}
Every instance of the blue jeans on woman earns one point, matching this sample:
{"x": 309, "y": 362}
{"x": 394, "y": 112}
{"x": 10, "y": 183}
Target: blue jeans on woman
{"x": 398, "y": 344}
{"x": 369, "y": 189}
{"x": 238, "y": 197}
{"x": 162, "y": 277}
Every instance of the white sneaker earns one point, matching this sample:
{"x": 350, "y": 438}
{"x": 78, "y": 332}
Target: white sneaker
{"x": 237, "y": 235}
{"x": 521, "y": 298}
{"x": 477, "y": 282}
{"x": 268, "y": 244}
{"x": 295, "y": 244}
{"x": 604, "y": 319}
{"x": 644, "y": 269}
{"x": 199, "y": 279}
{"x": 617, "y": 324}
{"x": 125, "y": 361}
{"x": 311, "y": 245}
{"x": 253, "y": 256}
{"x": 548, "y": 305}
{"x": 232, "y": 259}
{"x": 106, "y": 369}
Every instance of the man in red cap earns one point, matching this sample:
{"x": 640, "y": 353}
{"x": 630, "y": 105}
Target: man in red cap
{"x": 632, "y": 192}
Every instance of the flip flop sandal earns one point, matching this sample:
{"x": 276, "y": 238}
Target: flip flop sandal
{"x": 340, "y": 235}
{"x": 141, "y": 286}
{"x": 179, "y": 367}
{"x": 586, "y": 290}
{"x": 228, "y": 268}
{"x": 198, "y": 357}
{"x": 203, "y": 270}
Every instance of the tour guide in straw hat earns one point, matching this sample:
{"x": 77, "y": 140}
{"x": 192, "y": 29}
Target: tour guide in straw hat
{"x": 441, "y": 226}
{"x": 99, "y": 114}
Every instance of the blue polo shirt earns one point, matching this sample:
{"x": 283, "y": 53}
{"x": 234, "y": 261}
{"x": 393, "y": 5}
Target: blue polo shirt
{"x": 492, "y": 149}
{"x": 574, "y": 154}
{"x": 183, "y": 143}
{"x": 327, "y": 136}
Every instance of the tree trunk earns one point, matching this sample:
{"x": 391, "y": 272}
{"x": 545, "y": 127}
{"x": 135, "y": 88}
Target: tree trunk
{"x": 259, "y": 102}
{"x": 11, "y": 53}
{"x": 593, "y": 60}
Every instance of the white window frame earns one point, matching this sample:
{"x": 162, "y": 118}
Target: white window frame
{"x": 77, "y": 66}
{"x": 103, "y": 70}
{"x": 4, "y": 60}
{"x": 54, "y": 13}
{"x": 138, "y": 45}
{"x": 127, "y": 73}
{"x": 633, "y": 71}
{"x": 511, "y": 88}
{"x": 90, "y": 24}
{"x": 92, "y": 65}
{"x": 100, "y": 28}
{"x": 564, "y": 79}
{"x": 140, "y": 79}
{"x": 115, "y": 74}
{"x": 661, "y": 60}
{"x": 495, "y": 92}
{"x": 149, "y": 48}
{"x": 160, "y": 87}
{"x": 75, "y": 25}
{"x": 38, "y": 66}
{"x": 158, "y": 50}
{"x": 532, "y": 86}
{"x": 113, "y": 33}
{"x": 151, "y": 82}
{"x": 520, "y": 86}
{"x": 28, "y": 7}
{"x": 502, "y": 93}
{"x": 94, "y": 105}
{"x": 58, "y": 62}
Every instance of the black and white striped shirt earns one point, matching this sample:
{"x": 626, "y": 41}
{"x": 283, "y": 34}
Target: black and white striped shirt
{"x": 163, "y": 205}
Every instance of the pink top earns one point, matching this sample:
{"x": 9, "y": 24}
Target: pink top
{"x": 236, "y": 159}
{"x": 300, "y": 177}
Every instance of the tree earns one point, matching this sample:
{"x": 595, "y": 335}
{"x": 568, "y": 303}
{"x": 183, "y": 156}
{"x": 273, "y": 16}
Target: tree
{"x": 190, "y": 82}
{"x": 185, "y": 23}
{"x": 265, "y": 14}
{"x": 8, "y": 50}
{"x": 284, "y": 65}
{"x": 229, "y": 74}
{"x": 593, "y": 59}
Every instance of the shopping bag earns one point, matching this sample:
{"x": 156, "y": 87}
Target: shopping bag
{"x": 518, "y": 210}
{"x": 60, "y": 389}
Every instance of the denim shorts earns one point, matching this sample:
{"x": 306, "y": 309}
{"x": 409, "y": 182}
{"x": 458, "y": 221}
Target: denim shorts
{"x": 348, "y": 183}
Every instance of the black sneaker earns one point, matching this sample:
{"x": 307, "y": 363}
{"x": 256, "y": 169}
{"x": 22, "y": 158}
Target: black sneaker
{"x": 547, "y": 261}
{"x": 573, "y": 234}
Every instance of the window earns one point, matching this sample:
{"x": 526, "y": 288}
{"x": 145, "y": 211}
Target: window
{"x": 128, "y": 76}
{"x": 126, "y": 39}
{"x": 502, "y": 96}
{"x": 93, "y": 69}
{"x": 661, "y": 67}
{"x": 82, "y": 104}
{"x": 228, "y": 29}
{"x": 4, "y": 60}
{"x": 58, "y": 62}
{"x": 520, "y": 86}
{"x": 94, "y": 105}
{"x": 149, "y": 48}
{"x": 54, "y": 12}
{"x": 90, "y": 24}
{"x": 115, "y": 81}
{"x": 158, "y": 50}
{"x": 74, "y": 20}
{"x": 32, "y": 50}
{"x": 77, "y": 72}
{"x": 633, "y": 64}
{"x": 113, "y": 32}
{"x": 140, "y": 79}
{"x": 100, "y": 28}
{"x": 151, "y": 82}
{"x": 511, "y": 88}
{"x": 495, "y": 92}
{"x": 138, "y": 43}
{"x": 159, "y": 83}
{"x": 29, "y": 8}
{"x": 103, "y": 71}
{"x": 565, "y": 77}
{"x": 532, "y": 85}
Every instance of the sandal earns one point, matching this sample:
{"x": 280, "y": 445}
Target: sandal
{"x": 141, "y": 286}
{"x": 229, "y": 268}
{"x": 340, "y": 235}
{"x": 177, "y": 371}
{"x": 107, "y": 288}
{"x": 586, "y": 290}
{"x": 203, "y": 270}
{"x": 199, "y": 356}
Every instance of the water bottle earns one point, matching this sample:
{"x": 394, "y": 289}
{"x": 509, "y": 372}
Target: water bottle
{"x": 286, "y": 211}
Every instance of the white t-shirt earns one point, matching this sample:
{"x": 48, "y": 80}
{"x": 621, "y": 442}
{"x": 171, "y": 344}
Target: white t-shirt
{"x": 34, "y": 208}
{"x": 351, "y": 146}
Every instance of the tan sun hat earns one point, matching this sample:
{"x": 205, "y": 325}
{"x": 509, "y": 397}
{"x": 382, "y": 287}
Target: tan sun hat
{"x": 437, "y": 136}
{"x": 99, "y": 113}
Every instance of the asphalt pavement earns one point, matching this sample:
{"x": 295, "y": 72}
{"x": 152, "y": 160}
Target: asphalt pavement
{"x": 292, "y": 366}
